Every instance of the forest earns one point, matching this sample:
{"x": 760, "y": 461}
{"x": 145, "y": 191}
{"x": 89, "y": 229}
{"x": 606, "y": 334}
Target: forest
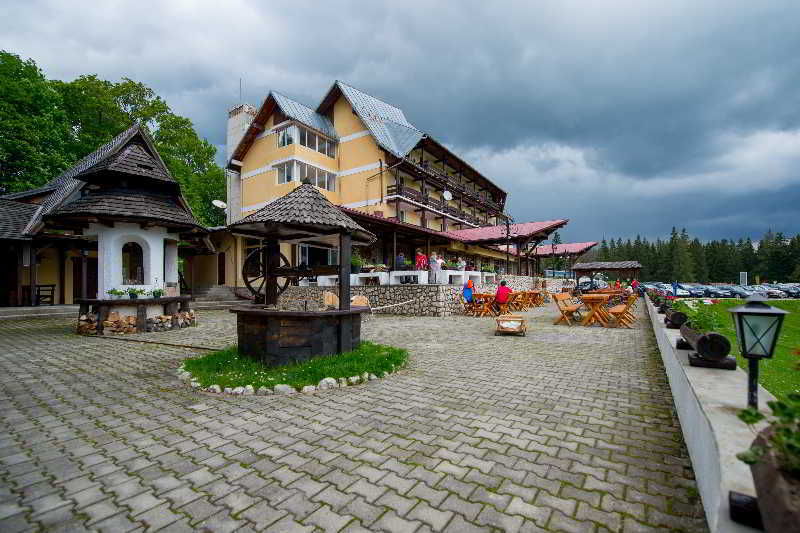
{"x": 47, "y": 125}
{"x": 775, "y": 257}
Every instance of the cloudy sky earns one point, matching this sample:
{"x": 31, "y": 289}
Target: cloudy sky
{"x": 624, "y": 116}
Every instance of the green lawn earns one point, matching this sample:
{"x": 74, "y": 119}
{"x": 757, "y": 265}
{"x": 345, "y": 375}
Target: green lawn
{"x": 228, "y": 368}
{"x": 778, "y": 375}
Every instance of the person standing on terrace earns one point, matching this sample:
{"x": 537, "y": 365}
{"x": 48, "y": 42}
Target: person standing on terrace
{"x": 421, "y": 262}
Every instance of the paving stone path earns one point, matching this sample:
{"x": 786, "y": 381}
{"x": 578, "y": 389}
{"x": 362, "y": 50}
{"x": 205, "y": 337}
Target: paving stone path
{"x": 567, "y": 429}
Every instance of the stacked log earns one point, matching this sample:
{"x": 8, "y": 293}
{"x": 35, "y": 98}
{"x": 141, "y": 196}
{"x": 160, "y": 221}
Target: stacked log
{"x": 674, "y": 319}
{"x": 115, "y": 324}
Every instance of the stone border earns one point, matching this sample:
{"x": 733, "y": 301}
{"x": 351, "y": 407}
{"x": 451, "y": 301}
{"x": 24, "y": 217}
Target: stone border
{"x": 282, "y": 388}
{"x": 707, "y": 401}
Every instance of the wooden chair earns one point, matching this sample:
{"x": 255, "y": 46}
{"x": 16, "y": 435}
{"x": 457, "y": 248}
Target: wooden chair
{"x": 329, "y": 299}
{"x": 359, "y": 300}
{"x": 516, "y": 301}
{"x": 568, "y": 310}
{"x": 621, "y": 313}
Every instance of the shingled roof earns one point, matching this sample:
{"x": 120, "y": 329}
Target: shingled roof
{"x": 128, "y": 205}
{"x": 14, "y": 217}
{"x": 597, "y": 266}
{"x": 301, "y": 214}
{"x": 304, "y": 114}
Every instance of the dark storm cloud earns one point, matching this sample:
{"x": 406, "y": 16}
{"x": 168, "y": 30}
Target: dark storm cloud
{"x": 625, "y": 116}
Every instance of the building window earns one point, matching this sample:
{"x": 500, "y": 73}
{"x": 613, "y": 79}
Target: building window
{"x": 316, "y": 176}
{"x": 317, "y": 142}
{"x": 401, "y": 216}
{"x": 285, "y": 172}
{"x": 316, "y": 256}
{"x": 286, "y": 136}
{"x": 132, "y": 264}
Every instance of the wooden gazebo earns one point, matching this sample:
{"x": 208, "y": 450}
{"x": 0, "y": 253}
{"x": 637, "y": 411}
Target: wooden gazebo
{"x": 628, "y": 269}
{"x": 278, "y": 337}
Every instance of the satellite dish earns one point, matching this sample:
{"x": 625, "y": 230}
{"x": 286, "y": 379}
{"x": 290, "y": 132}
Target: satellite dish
{"x": 220, "y": 204}
{"x": 447, "y": 195}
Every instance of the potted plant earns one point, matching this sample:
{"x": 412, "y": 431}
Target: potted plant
{"x": 157, "y": 293}
{"x": 450, "y": 265}
{"x": 355, "y": 263}
{"x": 380, "y": 267}
{"x": 115, "y": 294}
{"x": 133, "y": 292}
{"x": 487, "y": 268}
{"x": 408, "y": 264}
{"x": 774, "y": 460}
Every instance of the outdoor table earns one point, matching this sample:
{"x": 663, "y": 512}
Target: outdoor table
{"x": 597, "y": 313}
{"x": 489, "y": 277}
{"x": 474, "y": 275}
{"x": 485, "y": 303}
{"x": 444, "y": 277}
{"x": 396, "y": 275}
{"x": 362, "y": 277}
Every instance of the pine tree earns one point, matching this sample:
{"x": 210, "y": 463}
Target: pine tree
{"x": 698, "y": 253}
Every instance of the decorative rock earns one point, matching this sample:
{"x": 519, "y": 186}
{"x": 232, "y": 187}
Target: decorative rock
{"x": 284, "y": 389}
{"x": 365, "y": 377}
{"x": 372, "y": 377}
{"x": 353, "y": 380}
{"x": 195, "y": 384}
{"x": 384, "y": 374}
{"x": 263, "y": 391}
{"x": 248, "y": 390}
{"x": 309, "y": 388}
{"x": 238, "y": 390}
{"x": 327, "y": 383}
{"x": 343, "y": 382}
{"x": 214, "y": 388}
{"x": 228, "y": 390}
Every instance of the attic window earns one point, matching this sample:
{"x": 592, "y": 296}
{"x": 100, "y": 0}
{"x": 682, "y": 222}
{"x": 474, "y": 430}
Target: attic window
{"x": 146, "y": 167}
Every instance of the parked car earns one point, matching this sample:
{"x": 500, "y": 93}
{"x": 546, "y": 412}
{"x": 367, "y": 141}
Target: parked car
{"x": 792, "y": 290}
{"x": 774, "y": 291}
{"x": 695, "y": 291}
{"x": 667, "y": 288}
{"x": 713, "y": 291}
{"x": 592, "y": 285}
{"x": 768, "y": 292}
{"x": 738, "y": 291}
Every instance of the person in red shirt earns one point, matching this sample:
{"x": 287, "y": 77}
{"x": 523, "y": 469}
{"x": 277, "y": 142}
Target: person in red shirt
{"x": 501, "y": 296}
{"x": 420, "y": 260}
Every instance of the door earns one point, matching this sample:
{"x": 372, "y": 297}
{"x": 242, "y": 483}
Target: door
{"x": 221, "y": 268}
{"x": 91, "y": 277}
{"x": 8, "y": 276}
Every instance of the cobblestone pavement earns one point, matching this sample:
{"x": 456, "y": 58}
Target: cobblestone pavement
{"x": 567, "y": 429}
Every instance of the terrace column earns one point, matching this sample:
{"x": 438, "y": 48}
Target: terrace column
{"x": 345, "y": 254}
{"x": 34, "y": 276}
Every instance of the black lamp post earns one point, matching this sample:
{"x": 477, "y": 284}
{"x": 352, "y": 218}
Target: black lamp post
{"x": 757, "y": 328}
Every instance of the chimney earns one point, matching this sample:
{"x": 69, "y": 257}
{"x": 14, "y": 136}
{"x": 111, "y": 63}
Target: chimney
{"x": 239, "y": 118}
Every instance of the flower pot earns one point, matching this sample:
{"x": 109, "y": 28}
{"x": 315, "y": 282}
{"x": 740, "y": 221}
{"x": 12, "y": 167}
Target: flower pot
{"x": 355, "y": 269}
{"x": 133, "y": 296}
{"x": 778, "y": 492}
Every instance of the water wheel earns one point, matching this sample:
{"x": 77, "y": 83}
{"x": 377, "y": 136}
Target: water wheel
{"x": 254, "y": 273}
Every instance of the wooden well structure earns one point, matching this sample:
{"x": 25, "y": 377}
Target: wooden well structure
{"x": 278, "y": 337}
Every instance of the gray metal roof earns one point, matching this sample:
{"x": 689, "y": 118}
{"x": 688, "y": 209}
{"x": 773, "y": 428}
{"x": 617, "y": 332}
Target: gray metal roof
{"x": 386, "y": 123}
{"x": 305, "y": 115}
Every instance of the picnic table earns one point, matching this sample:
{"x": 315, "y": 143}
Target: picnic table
{"x": 597, "y": 311}
{"x": 483, "y": 304}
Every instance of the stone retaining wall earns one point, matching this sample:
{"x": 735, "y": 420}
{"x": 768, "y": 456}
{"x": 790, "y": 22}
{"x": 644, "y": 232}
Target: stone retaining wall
{"x": 414, "y": 300}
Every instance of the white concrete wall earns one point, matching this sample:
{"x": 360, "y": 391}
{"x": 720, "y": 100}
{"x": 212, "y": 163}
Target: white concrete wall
{"x": 707, "y": 401}
{"x": 110, "y": 241}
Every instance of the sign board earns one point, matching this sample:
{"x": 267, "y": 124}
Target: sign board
{"x": 742, "y": 278}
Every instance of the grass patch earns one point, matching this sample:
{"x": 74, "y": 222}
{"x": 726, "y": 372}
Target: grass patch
{"x": 229, "y": 368}
{"x": 778, "y": 375}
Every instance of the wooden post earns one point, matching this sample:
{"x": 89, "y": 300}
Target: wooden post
{"x": 84, "y": 274}
{"x": 272, "y": 259}
{"x": 61, "y": 274}
{"x": 345, "y": 254}
{"x": 20, "y": 253}
{"x": 428, "y": 247}
{"x": 394, "y": 250}
{"x": 34, "y": 276}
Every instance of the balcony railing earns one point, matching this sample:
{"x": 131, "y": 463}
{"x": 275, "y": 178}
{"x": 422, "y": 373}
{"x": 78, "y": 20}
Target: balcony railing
{"x": 445, "y": 180}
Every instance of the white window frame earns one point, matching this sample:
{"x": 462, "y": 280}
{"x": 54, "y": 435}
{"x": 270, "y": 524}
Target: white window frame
{"x": 284, "y": 166}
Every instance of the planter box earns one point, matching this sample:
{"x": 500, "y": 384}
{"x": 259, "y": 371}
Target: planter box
{"x": 420, "y": 275}
{"x": 778, "y": 494}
